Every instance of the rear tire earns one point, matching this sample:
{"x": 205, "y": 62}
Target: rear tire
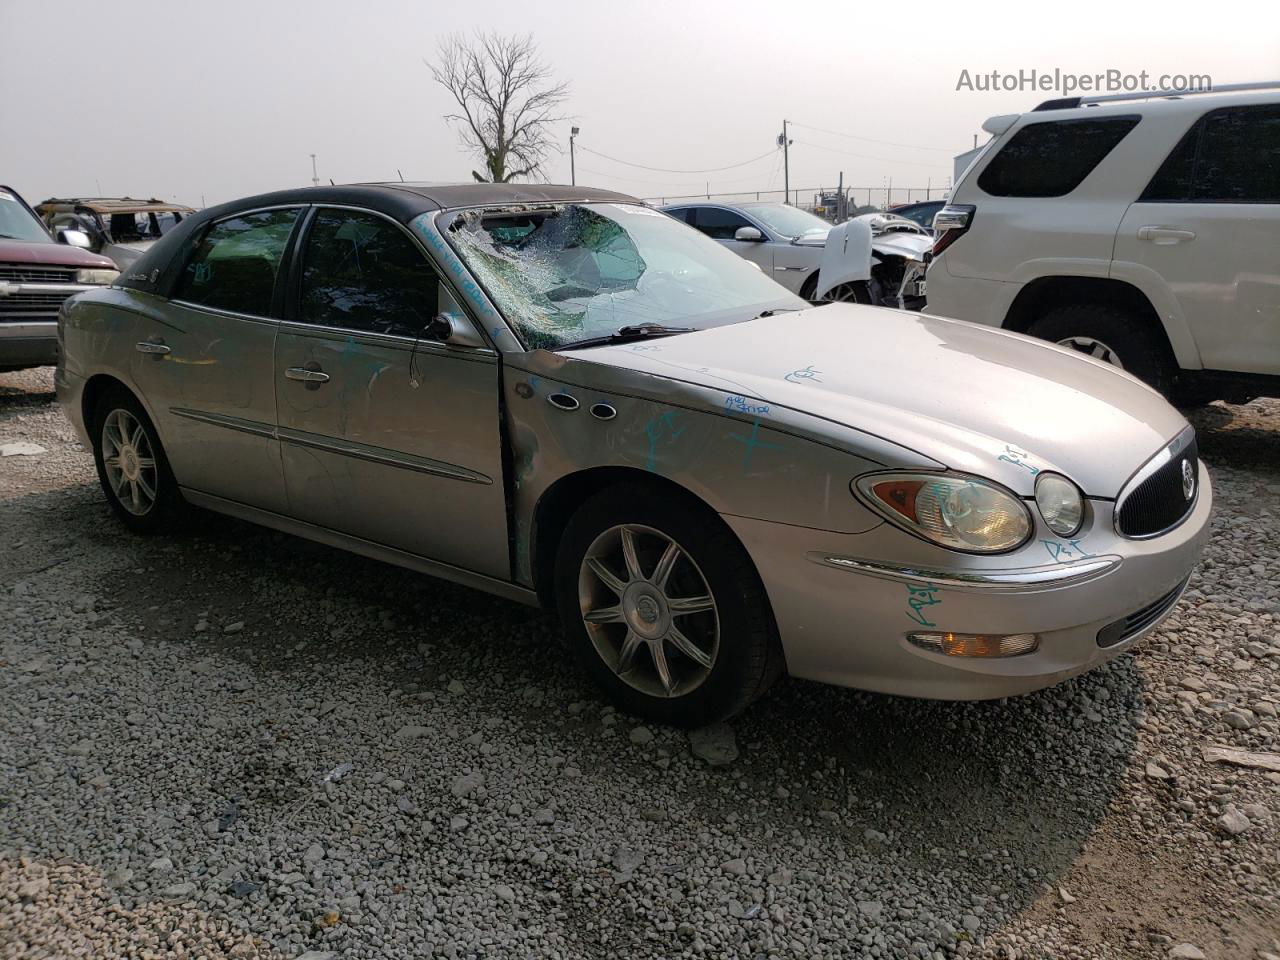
{"x": 1110, "y": 334}
{"x": 132, "y": 466}
{"x": 685, "y": 647}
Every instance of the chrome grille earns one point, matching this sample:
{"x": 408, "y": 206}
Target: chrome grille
{"x": 27, "y": 273}
{"x": 1156, "y": 499}
{"x": 32, "y": 306}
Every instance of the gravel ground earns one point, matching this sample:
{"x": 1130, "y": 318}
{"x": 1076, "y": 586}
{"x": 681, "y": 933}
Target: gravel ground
{"x": 241, "y": 744}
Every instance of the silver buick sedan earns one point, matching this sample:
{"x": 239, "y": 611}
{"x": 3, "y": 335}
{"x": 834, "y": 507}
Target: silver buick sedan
{"x": 566, "y": 398}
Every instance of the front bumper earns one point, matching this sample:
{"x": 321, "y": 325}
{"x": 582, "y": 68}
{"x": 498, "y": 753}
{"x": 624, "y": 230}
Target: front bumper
{"x": 844, "y": 618}
{"x": 28, "y": 343}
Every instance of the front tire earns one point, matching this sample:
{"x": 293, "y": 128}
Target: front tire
{"x": 664, "y": 609}
{"x": 1112, "y": 335}
{"x": 132, "y": 466}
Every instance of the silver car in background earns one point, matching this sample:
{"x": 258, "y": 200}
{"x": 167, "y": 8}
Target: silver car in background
{"x": 566, "y": 398}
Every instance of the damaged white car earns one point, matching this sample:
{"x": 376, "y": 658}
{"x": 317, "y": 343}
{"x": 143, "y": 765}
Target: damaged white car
{"x": 876, "y": 258}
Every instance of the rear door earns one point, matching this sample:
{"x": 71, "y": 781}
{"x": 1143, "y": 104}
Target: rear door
{"x": 385, "y": 435}
{"x": 1038, "y": 199}
{"x": 204, "y": 360}
{"x": 1208, "y": 225}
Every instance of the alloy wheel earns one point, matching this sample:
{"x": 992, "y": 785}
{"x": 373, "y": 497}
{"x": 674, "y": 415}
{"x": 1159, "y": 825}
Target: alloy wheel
{"x": 1091, "y": 346}
{"x": 648, "y": 610}
{"x": 129, "y": 461}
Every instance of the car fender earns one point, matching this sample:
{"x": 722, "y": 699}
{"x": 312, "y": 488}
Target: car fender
{"x": 1163, "y": 301}
{"x": 739, "y": 454}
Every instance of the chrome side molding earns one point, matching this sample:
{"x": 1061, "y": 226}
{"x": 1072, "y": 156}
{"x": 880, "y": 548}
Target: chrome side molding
{"x": 1025, "y": 578}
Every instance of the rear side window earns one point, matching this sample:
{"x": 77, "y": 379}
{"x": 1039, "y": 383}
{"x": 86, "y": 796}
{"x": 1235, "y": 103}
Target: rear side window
{"x": 1051, "y": 159}
{"x": 235, "y": 264}
{"x": 1231, "y": 155}
{"x": 719, "y": 224}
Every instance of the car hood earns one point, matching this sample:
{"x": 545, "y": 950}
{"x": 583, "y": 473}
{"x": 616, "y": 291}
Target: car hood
{"x": 124, "y": 254}
{"x": 52, "y": 254}
{"x": 981, "y": 400}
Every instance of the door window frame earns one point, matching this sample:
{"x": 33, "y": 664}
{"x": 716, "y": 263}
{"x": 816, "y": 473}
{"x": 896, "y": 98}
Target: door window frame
{"x": 1194, "y": 138}
{"x": 292, "y": 317}
{"x": 277, "y": 290}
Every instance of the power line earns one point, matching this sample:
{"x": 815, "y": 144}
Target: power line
{"x": 628, "y": 163}
{"x": 934, "y": 165}
{"x": 886, "y": 143}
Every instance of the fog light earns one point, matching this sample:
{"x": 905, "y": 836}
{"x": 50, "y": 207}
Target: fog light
{"x": 976, "y": 644}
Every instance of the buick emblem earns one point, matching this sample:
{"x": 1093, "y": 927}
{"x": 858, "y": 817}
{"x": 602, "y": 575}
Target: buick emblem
{"x": 1188, "y": 480}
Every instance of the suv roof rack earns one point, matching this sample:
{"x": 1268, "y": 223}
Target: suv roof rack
{"x": 1069, "y": 103}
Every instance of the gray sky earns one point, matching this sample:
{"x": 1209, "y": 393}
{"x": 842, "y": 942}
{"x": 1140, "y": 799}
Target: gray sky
{"x": 184, "y": 100}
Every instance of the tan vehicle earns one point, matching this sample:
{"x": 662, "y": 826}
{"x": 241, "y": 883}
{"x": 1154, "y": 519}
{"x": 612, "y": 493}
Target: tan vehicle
{"x": 122, "y": 229}
{"x": 565, "y": 398}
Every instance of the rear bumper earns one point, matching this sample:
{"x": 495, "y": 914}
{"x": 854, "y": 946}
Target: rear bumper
{"x": 70, "y": 390}
{"x": 967, "y": 298}
{"x": 28, "y": 343}
{"x": 846, "y": 623}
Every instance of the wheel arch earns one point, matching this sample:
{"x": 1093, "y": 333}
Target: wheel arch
{"x": 94, "y": 389}
{"x": 1043, "y": 293}
{"x": 562, "y": 498}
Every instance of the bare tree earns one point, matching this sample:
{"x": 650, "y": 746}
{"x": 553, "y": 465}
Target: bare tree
{"x": 507, "y": 99}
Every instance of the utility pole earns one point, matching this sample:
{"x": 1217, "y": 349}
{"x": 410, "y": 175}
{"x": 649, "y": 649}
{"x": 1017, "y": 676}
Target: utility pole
{"x": 840, "y": 199}
{"x": 573, "y": 173}
{"x": 785, "y": 143}
{"x": 315, "y": 178}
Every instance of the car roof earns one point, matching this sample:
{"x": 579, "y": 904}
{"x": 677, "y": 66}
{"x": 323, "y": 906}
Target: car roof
{"x": 109, "y": 205}
{"x": 404, "y": 201}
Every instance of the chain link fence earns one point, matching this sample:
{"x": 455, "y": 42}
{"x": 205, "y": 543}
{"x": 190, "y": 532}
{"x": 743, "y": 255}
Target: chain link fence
{"x": 829, "y": 202}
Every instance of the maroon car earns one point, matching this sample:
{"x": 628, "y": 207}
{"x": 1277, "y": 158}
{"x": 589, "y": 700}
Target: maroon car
{"x": 37, "y": 273}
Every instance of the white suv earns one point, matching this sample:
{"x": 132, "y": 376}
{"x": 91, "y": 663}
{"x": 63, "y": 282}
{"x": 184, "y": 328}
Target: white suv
{"x": 1141, "y": 229}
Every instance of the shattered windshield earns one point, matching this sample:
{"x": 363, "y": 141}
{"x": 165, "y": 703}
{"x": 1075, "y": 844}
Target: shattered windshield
{"x": 573, "y": 272}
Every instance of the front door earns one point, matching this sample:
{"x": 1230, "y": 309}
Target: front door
{"x": 385, "y": 435}
{"x": 204, "y": 361}
{"x": 720, "y": 225}
{"x": 1209, "y": 226}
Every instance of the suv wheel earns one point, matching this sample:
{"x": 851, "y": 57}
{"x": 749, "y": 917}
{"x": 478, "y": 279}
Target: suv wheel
{"x": 664, "y": 608}
{"x": 1109, "y": 334}
{"x": 132, "y": 467}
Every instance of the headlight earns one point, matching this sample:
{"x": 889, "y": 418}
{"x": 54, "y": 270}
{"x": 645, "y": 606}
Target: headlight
{"x": 952, "y": 510}
{"x": 1060, "y": 503}
{"x": 96, "y": 276}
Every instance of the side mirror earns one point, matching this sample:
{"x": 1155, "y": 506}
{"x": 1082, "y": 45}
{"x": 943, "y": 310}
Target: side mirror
{"x": 75, "y": 238}
{"x": 748, "y": 234}
{"x": 452, "y": 329}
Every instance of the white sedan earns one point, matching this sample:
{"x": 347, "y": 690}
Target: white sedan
{"x": 788, "y": 244}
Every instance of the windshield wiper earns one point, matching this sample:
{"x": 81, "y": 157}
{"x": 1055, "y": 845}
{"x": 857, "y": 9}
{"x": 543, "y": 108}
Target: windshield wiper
{"x": 629, "y": 333}
{"x": 774, "y": 311}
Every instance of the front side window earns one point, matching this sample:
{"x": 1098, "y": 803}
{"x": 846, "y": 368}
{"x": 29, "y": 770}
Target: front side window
{"x": 719, "y": 224}
{"x": 235, "y": 264}
{"x": 1230, "y": 155}
{"x": 574, "y": 272}
{"x": 361, "y": 272}
{"x": 1052, "y": 158}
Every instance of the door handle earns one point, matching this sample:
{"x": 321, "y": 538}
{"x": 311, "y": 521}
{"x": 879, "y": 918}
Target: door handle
{"x": 1164, "y": 236}
{"x": 156, "y": 347}
{"x": 306, "y": 376}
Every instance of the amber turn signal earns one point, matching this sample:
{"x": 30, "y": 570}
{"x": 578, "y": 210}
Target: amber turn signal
{"x": 976, "y": 644}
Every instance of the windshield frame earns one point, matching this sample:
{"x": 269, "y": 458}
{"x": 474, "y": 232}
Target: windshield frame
{"x": 443, "y": 221}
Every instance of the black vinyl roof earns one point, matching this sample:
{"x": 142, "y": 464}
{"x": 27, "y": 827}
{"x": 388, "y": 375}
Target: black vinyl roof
{"x": 404, "y": 201}
{"x": 156, "y": 270}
